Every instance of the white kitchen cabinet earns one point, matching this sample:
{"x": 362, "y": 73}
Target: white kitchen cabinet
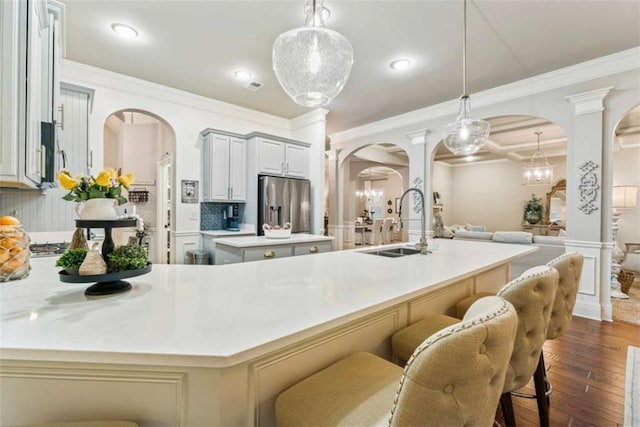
{"x": 73, "y": 129}
{"x": 29, "y": 35}
{"x": 256, "y": 248}
{"x": 282, "y": 158}
{"x": 224, "y": 168}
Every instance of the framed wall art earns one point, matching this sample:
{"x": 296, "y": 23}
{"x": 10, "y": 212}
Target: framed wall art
{"x": 189, "y": 191}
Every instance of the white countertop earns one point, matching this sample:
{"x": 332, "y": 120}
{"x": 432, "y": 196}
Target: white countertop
{"x": 217, "y": 316}
{"x": 227, "y": 233}
{"x": 251, "y": 241}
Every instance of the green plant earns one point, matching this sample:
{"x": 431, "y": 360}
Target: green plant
{"x": 127, "y": 258}
{"x": 72, "y": 258}
{"x": 533, "y": 210}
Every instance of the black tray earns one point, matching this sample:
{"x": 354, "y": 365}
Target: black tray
{"x": 107, "y": 284}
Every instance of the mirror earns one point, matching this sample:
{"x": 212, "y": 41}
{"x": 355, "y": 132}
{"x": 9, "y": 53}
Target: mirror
{"x": 556, "y": 208}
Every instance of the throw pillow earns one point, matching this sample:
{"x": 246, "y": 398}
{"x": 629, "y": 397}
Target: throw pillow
{"x": 513, "y": 237}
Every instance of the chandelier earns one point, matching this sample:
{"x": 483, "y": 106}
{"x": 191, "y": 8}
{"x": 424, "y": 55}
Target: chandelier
{"x": 538, "y": 170}
{"x": 466, "y": 135}
{"x": 312, "y": 63}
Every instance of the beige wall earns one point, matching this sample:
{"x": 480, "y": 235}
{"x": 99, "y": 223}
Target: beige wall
{"x": 626, "y": 171}
{"x": 489, "y": 193}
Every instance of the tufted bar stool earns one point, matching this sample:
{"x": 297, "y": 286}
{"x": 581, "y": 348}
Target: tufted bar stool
{"x": 569, "y": 267}
{"x": 532, "y": 296}
{"x": 453, "y": 378}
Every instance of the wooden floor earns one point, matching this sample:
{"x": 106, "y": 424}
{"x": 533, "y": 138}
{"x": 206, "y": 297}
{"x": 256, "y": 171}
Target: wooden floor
{"x": 586, "y": 368}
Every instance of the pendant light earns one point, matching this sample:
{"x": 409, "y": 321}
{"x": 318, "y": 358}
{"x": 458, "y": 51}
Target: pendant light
{"x": 538, "y": 170}
{"x": 312, "y": 63}
{"x": 466, "y": 135}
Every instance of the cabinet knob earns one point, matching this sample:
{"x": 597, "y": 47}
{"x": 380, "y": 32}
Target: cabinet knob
{"x": 269, "y": 254}
{"x": 313, "y": 249}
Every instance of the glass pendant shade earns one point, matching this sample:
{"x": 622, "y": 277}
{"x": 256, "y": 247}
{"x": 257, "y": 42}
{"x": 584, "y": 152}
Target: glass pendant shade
{"x": 466, "y": 135}
{"x": 312, "y": 63}
{"x": 538, "y": 171}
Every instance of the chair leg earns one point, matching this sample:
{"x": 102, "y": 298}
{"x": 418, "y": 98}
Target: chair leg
{"x": 507, "y": 410}
{"x": 541, "y": 390}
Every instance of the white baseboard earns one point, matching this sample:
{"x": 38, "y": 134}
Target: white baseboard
{"x": 589, "y": 311}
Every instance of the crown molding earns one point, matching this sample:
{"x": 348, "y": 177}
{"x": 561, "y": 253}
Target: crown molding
{"x": 616, "y": 63}
{"x": 589, "y": 102}
{"x": 87, "y": 75}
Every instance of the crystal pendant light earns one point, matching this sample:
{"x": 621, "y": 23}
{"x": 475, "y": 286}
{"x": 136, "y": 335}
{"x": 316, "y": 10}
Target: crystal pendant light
{"x": 312, "y": 63}
{"x": 466, "y": 135}
{"x": 538, "y": 170}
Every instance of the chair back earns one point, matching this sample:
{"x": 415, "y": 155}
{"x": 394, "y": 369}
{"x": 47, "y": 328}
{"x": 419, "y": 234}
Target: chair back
{"x": 455, "y": 377}
{"x": 387, "y": 225}
{"x": 532, "y": 296}
{"x": 569, "y": 267}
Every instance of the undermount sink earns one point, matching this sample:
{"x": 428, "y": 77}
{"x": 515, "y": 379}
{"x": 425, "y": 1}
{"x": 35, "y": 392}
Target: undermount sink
{"x": 393, "y": 253}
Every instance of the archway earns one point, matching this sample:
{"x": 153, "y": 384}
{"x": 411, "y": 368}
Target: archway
{"x": 373, "y": 177}
{"x": 487, "y": 191}
{"x": 141, "y": 142}
{"x": 626, "y": 217}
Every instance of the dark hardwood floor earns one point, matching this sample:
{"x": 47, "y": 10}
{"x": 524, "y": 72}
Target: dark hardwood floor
{"x": 586, "y": 368}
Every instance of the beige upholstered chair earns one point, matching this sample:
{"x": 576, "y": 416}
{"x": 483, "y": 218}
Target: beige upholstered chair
{"x": 569, "y": 267}
{"x": 532, "y": 295}
{"x": 387, "y": 226}
{"x": 453, "y": 378}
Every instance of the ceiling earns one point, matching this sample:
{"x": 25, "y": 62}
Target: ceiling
{"x": 197, "y": 45}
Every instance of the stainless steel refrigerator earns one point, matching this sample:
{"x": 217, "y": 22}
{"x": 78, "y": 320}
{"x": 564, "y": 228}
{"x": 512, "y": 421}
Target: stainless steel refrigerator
{"x": 282, "y": 200}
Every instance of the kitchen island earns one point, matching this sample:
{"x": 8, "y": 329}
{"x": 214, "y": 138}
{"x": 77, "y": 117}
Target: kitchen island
{"x": 197, "y": 345}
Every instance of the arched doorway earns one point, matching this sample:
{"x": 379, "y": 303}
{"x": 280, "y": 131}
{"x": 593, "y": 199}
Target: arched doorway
{"x": 143, "y": 143}
{"x": 488, "y": 190}
{"x": 373, "y": 177}
{"x": 626, "y": 219}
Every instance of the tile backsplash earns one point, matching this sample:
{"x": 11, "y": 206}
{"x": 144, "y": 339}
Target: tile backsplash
{"x": 212, "y": 215}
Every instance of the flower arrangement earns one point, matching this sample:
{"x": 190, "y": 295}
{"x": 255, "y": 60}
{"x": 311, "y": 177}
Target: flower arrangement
{"x": 108, "y": 184}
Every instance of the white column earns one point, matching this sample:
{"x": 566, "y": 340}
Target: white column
{"x": 585, "y": 205}
{"x": 419, "y": 177}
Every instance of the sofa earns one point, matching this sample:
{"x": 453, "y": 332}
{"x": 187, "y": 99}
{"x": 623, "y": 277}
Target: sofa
{"x": 549, "y": 247}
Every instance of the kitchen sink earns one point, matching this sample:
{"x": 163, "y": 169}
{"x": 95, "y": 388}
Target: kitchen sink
{"x": 393, "y": 253}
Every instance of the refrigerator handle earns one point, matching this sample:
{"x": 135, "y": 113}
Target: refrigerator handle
{"x": 280, "y": 216}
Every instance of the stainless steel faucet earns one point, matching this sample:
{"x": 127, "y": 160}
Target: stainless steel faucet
{"x": 422, "y": 244}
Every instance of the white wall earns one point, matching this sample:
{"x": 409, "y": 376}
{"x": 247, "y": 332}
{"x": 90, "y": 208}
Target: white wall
{"x": 441, "y": 181}
{"x": 492, "y": 194}
{"x": 626, "y": 171}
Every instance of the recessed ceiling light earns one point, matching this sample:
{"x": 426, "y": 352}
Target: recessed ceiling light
{"x": 400, "y": 64}
{"x": 325, "y": 13}
{"x": 242, "y": 75}
{"x": 125, "y": 31}
{"x": 470, "y": 158}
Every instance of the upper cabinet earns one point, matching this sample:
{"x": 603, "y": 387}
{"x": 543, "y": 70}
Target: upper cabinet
{"x": 30, "y": 35}
{"x": 282, "y": 158}
{"x": 224, "y": 167}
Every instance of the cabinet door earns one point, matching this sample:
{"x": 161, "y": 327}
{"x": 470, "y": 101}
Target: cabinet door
{"x": 36, "y": 42}
{"x": 219, "y": 161}
{"x": 12, "y": 86}
{"x": 271, "y": 157}
{"x": 238, "y": 169}
{"x": 73, "y": 133}
{"x": 296, "y": 164}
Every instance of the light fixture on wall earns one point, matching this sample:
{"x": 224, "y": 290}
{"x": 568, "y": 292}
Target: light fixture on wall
{"x": 466, "y": 135}
{"x": 312, "y": 63}
{"x": 623, "y": 197}
{"x": 538, "y": 170}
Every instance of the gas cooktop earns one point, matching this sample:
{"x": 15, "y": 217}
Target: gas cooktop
{"x": 48, "y": 249}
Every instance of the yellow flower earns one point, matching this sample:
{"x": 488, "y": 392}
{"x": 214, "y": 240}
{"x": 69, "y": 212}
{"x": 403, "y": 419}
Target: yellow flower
{"x": 126, "y": 180}
{"x": 112, "y": 173}
{"x": 66, "y": 181}
{"x": 103, "y": 178}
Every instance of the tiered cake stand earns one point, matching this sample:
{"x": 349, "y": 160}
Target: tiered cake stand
{"x": 109, "y": 283}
